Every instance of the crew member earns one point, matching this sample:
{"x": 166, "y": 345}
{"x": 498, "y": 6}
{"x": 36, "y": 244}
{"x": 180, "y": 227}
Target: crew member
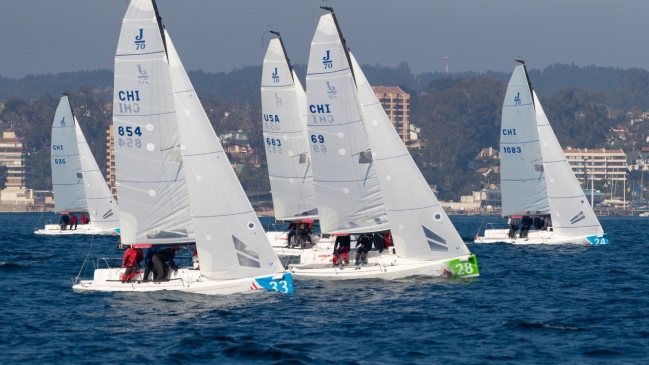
{"x": 160, "y": 261}
{"x": 341, "y": 248}
{"x": 363, "y": 246}
{"x": 131, "y": 261}
{"x": 73, "y": 221}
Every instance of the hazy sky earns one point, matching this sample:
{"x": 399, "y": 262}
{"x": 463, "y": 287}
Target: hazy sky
{"x": 42, "y": 36}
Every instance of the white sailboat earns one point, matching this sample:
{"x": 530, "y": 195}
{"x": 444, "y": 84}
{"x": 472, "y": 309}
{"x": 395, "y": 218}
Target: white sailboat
{"x": 357, "y": 133}
{"x": 79, "y": 187}
{"x": 536, "y": 178}
{"x": 287, "y": 151}
{"x": 185, "y": 182}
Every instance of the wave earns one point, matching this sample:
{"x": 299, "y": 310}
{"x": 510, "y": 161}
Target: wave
{"x": 9, "y": 265}
{"x": 524, "y": 324}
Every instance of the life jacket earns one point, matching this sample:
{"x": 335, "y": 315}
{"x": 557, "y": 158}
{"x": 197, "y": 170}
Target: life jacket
{"x": 132, "y": 256}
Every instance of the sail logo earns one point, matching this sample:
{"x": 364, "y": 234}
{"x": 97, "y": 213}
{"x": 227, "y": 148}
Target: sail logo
{"x": 108, "y": 214}
{"x": 275, "y": 76}
{"x": 271, "y": 118}
{"x": 63, "y": 122}
{"x": 140, "y": 43}
{"x": 331, "y": 91}
{"x": 142, "y": 76}
{"x": 278, "y": 101}
{"x": 326, "y": 61}
{"x": 517, "y": 99}
{"x": 435, "y": 242}
{"x": 57, "y": 147}
{"x": 579, "y": 217}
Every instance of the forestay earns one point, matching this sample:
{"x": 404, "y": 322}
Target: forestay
{"x": 150, "y": 179}
{"x": 346, "y": 183}
{"x": 572, "y": 215}
{"x": 102, "y": 208}
{"x": 67, "y": 179}
{"x": 521, "y": 165}
{"x": 420, "y": 227}
{"x": 230, "y": 240}
{"x": 289, "y": 166}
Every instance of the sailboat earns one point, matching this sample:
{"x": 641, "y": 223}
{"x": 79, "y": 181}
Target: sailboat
{"x": 79, "y": 187}
{"x": 284, "y": 124}
{"x": 178, "y": 184}
{"x": 536, "y": 178}
{"x": 366, "y": 181}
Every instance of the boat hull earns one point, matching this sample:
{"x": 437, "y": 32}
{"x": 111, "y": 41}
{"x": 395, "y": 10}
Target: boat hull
{"x": 184, "y": 280}
{"x": 317, "y": 255}
{"x": 55, "y": 230}
{"x": 540, "y": 238}
{"x": 390, "y": 266}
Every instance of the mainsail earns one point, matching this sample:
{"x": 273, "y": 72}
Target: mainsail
{"x": 289, "y": 166}
{"x": 102, "y": 207}
{"x": 346, "y": 182}
{"x": 151, "y": 187}
{"x": 67, "y": 178}
{"x": 420, "y": 227}
{"x": 522, "y": 176}
{"x": 230, "y": 240}
{"x": 572, "y": 215}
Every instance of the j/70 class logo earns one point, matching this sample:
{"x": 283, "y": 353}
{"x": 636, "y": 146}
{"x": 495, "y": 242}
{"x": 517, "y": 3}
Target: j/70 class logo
{"x": 326, "y": 61}
{"x": 140, "y": 43}
{"x": 275, "y": 76}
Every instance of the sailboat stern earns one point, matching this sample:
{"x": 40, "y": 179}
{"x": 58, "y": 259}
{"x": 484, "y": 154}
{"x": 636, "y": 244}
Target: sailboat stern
{"x": 598, "y": 239}
{"x": 282, "y": 283}
{"x": 466, "y": 267}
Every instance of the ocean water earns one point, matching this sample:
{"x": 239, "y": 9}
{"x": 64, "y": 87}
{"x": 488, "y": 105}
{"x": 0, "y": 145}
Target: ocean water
{"x": 542, "y": 305}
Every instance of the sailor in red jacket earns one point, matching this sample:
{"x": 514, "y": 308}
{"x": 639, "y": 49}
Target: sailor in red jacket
{"x": 131, "y": 261}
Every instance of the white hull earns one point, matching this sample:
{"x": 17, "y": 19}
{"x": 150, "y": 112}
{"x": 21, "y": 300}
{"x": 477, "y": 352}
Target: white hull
{"x": 535, "y": 237}
{"x": 55, "y": 230}
{"x": 390, "y": 266}
{"x": 317, "y": 255}
{"x": 185, "y": 280}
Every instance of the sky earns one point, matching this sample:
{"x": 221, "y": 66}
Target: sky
{"x": 52, "y": 36}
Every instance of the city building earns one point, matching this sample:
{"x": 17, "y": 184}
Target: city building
{"x": 604, "y": 164}
{"x": 396, "y": 104}
{"x": 12, "y": 156}
{"x": 110, "y": 161}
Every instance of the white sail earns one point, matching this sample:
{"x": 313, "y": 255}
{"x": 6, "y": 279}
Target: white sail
{"x": 102, "y": 208}
{"x": 67, "y": 179}
{"x": 420, "y": 227}
{"x": 521, "y": 165}
{"x": 346, "y": 182}
{"x": 150, "y": 179}
{"x": 230, "y": 240}
{"x": 289, "y": 166}
{"x": 571, "y": 213}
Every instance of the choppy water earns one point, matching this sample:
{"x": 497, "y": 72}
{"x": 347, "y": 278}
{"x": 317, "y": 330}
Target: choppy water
{"x": 531, "y": 305}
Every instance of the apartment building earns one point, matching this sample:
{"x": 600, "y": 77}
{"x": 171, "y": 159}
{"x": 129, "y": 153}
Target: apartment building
{"x": 110, "y": 161}
{"x": 12, "y": 156}
{"x": 604, "y": 164}
{"x": 396, "y": 104}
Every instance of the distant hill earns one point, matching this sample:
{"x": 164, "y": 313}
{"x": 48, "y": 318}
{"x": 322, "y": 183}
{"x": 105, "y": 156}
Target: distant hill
{"x": 241, "y": 86}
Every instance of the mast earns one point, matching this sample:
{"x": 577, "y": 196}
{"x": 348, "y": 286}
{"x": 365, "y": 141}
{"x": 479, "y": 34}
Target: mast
{"x": 288, "y": 62}
{"x": 160, "y": 26}
{"x": 342, "y": 39}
